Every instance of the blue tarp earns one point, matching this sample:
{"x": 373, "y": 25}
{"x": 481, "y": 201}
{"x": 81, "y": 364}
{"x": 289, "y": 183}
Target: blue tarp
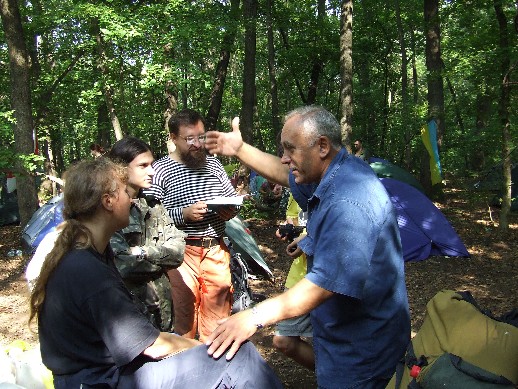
{"x": 424, "y": 230}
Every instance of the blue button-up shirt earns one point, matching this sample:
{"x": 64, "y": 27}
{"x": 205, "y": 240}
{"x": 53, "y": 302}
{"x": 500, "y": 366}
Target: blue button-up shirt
{"x": 354, "y": 250}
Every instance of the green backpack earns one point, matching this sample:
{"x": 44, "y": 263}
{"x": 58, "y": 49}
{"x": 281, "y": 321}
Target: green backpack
{"x": 459, "y": 347}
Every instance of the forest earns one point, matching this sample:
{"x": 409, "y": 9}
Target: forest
{"x": 76, "y": 73}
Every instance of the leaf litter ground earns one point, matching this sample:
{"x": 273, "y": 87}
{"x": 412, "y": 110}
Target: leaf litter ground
{"x": 491, "y": 274}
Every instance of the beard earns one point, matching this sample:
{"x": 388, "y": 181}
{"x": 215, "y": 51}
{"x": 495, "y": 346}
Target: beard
{"x": 194, "y": 159}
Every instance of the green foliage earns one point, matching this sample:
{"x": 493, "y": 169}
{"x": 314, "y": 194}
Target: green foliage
{"x": 174, "y": 46}
{"x": 249, "y": 210}
{"x": 7, "y": 155}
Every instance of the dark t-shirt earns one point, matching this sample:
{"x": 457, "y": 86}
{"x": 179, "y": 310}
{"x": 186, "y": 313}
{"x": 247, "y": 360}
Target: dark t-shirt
{"x": 89, "y": 325}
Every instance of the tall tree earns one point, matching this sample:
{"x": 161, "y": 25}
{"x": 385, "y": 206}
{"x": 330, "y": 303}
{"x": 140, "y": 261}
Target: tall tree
{"x": 21, "y": 104}
{"x": 106, "y": 85}
{"x": 248, "y": 98}
{"x": 405, "y": 99}
{"x": 435, "y": 94}
{"x": 346, "y": 71}
{"x": 503, "y": 110}
{"x": 316, "y": 68}
{"x": 216, "y": 97}
{"x": 276, "y": 124}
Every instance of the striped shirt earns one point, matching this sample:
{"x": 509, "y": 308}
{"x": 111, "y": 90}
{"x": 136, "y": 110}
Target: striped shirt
{"x": 178, "y": 186}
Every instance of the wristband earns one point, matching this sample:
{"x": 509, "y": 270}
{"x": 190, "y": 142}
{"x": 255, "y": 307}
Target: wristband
{"x": 255, "y": 318}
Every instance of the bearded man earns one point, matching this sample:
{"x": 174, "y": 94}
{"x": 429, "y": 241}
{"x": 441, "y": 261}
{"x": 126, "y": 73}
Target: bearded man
{"x": 184, "y": 180}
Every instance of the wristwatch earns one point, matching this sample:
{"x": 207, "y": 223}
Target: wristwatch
{"x": 255, "y": 318}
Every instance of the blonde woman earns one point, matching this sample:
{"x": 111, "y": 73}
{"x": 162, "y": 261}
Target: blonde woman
{"x": 91, "y": 332}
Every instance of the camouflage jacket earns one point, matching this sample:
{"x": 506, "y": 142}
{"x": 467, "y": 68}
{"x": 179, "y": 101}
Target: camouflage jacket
{"x": 153, "y": 230}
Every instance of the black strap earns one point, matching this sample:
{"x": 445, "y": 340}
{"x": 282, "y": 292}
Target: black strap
{"x": 400, "y": 368}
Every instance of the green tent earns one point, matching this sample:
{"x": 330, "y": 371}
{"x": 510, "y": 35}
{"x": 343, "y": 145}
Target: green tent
{"x": 243, "y": 242}
{"x": 387, "y": 170}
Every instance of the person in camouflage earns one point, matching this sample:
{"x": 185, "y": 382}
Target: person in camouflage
{"x": 151, "y": 244}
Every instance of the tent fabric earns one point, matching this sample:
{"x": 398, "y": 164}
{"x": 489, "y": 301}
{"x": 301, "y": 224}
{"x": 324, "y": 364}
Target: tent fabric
{"x": 44, "y": 220}
{"x": 243, "y": 242}
{"x": 424, "y": 230}
{"x": 388, "y": 170}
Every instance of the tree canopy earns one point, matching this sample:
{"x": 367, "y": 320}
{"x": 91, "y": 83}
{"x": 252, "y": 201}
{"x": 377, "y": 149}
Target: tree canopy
{"x": 102, "y": 69}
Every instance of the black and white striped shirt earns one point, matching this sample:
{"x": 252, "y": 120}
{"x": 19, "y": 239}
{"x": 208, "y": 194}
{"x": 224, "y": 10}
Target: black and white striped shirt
{"x": 178, "y": 186}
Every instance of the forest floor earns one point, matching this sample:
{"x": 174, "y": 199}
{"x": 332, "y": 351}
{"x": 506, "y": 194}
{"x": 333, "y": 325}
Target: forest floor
{"x": 491, "y": 274}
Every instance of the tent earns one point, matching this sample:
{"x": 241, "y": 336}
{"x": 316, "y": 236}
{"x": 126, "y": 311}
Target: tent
{"x": 493, "y": 178}
{"x": 492, "y": 181}
{"x": 385, "y": 169}
{"x": 424, "y": 230}
{"x": 9, "y": 213}
{"x": 47, "y": 217}
{"x": 244, "y": 243}
{"x": 44, "y": 220}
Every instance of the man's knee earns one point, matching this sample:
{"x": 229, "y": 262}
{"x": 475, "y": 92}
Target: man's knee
{"x": 285, "y": 344}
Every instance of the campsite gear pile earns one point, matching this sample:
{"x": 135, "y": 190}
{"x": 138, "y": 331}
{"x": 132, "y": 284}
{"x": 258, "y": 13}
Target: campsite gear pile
{"x": 460, "y": 346}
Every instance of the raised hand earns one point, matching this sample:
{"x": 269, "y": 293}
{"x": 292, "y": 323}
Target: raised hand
{"x": 225, "y": 143}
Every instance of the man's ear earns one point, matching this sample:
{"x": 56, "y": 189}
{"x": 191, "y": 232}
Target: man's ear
{"x": 324, "y": 146}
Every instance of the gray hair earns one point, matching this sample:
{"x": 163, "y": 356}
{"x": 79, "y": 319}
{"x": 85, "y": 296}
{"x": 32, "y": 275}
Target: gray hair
{"x": 317, "y": 121}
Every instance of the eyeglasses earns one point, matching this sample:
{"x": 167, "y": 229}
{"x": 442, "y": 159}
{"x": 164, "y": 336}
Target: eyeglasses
{"x": 191, "y": 139}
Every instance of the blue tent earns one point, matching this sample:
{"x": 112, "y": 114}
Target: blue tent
{"x": 43, "y": 221}
{"x": 424, "y": 230}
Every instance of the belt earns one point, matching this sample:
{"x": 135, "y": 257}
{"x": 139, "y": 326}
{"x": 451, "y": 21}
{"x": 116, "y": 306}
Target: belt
{"x": 205, "y": 242}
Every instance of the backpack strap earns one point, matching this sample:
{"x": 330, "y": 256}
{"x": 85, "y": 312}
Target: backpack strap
{"x": 414, "y": 365}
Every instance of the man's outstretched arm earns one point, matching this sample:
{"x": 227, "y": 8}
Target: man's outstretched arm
{"x": 231, "y": 144}
{"x": 233, "y": 331}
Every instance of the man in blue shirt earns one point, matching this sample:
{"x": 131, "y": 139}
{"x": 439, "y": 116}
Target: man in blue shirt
{"x": 355, "y": 287}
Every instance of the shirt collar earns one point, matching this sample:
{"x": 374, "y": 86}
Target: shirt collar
{"x": 330, "y": 172}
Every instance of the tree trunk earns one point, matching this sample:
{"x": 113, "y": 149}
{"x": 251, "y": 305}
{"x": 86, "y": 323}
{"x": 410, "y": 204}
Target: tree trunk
{"x": 103, "y": 126}
{"x": 21, "y": 104}
{"x": 503, "y": 110}
{"x": 477, "y": 155}
{"x": 276, "y": 122}
{"x": 434, "y": 80}
{"x": 317, "y": 67}
{"x": 107, "y": 89}
{"x": 248, "y": 99}
{"x": 216, "y": 96}
{"x": 346, "y": 71}
{"x": 406, "y": 121}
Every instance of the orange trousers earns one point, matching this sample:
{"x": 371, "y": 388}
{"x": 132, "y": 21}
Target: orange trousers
{"x": 202, "y": 290}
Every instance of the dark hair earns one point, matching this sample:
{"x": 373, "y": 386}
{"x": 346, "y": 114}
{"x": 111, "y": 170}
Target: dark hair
{"x": 127, "y": 149}
{"x": 182, "y": 118}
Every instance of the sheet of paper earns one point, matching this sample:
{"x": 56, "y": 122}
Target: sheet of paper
{"x": 222, "y": 200}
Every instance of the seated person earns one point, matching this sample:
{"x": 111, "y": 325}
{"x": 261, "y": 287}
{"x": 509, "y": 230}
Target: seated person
{"x": 289, "y": 333}
{"x": 91, "y": 332}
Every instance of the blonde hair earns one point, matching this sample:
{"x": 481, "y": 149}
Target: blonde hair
{"x": 87, "y": 182}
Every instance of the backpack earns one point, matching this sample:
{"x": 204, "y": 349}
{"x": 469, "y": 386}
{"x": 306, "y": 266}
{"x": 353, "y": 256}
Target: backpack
{"x": 460, "y": 346}
{"x": 242, "y": 294}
